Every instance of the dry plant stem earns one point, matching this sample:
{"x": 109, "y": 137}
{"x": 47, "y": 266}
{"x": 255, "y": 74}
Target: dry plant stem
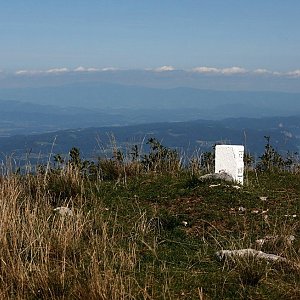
{"x": 51, "y": 256}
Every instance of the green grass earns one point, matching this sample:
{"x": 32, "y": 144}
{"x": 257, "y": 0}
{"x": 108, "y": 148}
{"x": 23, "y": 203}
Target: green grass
{"x": 128, "y": 238}
{"x": 213, "y": 222}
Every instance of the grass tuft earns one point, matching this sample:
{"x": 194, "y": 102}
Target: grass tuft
{"x": 145, "y": 229}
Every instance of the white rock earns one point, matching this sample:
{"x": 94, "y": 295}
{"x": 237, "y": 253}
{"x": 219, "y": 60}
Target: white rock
{"x": 223, "y": 254}
{"x": 63, "y": 211}
{"x": 293, "y": 216}
{"x": 236, "y": 187}
{"x": 273, "y": 238}
{"x": 242, "y": 209}
{"x": 234, "y": 254}
{"x": 292, "y": 238}
{"x": 260, "y": 242}
{"x": 217, "y": 176}
{"x": 214, "y": 185}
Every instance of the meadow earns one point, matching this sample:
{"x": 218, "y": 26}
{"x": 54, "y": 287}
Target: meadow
{"x": 146, "y": 226}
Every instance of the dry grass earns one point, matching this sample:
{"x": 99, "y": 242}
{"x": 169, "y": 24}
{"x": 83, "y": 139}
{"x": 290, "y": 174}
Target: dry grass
{"x": 125, "y": 238}
{"x": 48, "y": 256}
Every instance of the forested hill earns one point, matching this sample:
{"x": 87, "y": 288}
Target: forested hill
{"x": 184, "y": 136}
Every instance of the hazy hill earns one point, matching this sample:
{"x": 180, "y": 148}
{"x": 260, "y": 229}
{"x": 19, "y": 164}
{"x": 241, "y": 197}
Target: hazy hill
{"x": 210, "y": 104}
{"x": 97, "y": 104}
{"x": 185, "y": 136}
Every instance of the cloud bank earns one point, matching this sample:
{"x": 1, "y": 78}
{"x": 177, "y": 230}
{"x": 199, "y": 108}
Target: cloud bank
{"x": 164, "y": 69}
{"x": 204, "y": 70}
{"x": 224, "y": 71}
{"x": 241, "y": 71}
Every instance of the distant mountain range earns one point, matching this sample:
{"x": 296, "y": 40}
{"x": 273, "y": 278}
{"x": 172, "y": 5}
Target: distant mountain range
{"x": 35, "y": 120}
{"x": 210, "y": 104}
{"x": 187, "y": 137}
{"x": 97, "y": 104}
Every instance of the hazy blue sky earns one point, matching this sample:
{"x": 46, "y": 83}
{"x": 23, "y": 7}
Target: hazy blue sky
{"x": 137, "y": 34}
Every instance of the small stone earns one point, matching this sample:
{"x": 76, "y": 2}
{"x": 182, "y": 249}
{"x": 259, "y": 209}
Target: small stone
{"x": 260, "y": 242}
{"x": 292, "y": 216}
{"x": 214, "y": 185}
{"x": 184, "y": 223}
{"x": 236, "y": 187}
{"x": 263, "y": 198}
{"x": 217, "y": 176}
{"x": 242, "y": 209}
{"x": 63, "y": 211}
{"x": 291, "y": 238}
{"x": 288, "y": 239}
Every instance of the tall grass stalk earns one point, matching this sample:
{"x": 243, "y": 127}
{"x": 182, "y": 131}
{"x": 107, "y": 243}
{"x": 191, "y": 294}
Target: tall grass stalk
{"x": 45, "y": 255}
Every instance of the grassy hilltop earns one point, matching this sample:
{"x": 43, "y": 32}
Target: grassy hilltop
{"x": 146, "y": 227}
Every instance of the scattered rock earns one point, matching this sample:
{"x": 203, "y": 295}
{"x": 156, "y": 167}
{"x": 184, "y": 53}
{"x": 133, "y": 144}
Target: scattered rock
{"x": 214, "y": 185}
{"x": 242, "y": 209}
{"x": 236, "y": 187}
{"x": 292, "y": 216}
{"x": 288, "y": 239}
{"x": 219, "y": 184}
{"x": 261, "y": 212}
{"x": 217, "y": 176}
{"x": 234, "y": 254}
{"x": 63, "y": 211}
{"x": 260, "y": 242}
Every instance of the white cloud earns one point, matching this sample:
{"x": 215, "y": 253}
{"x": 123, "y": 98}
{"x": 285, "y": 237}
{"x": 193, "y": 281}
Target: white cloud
{"x": 21, "y": 72}
{"x": 83, "y": 69}
{"x": 262, "y": 71}
{"x": 295, "y": 73}
{"x": 164, "y": 69}
{"x": 79, "y": 69}
{"x": 206, "y": 70}
{"x": 267, "y": 72}
{"x": 27, "y": 72}
{"x": 57, "y": 70}
{"x": 224, "y": 71}
{"x": 92, "y": 69}
{"x": 233, "y": 70}
{"x": 37, "y": 72}
{"x": 109, "y": 69}
{"x": 202, "y": 70}
{"x": 239, "y": 70}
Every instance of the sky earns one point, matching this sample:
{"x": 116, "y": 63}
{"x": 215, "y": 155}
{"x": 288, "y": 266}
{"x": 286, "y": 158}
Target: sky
{"x": 204, "y": 35}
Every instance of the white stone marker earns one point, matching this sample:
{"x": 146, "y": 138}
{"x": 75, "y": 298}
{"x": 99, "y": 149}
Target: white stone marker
{"x": 230, "y": 159}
